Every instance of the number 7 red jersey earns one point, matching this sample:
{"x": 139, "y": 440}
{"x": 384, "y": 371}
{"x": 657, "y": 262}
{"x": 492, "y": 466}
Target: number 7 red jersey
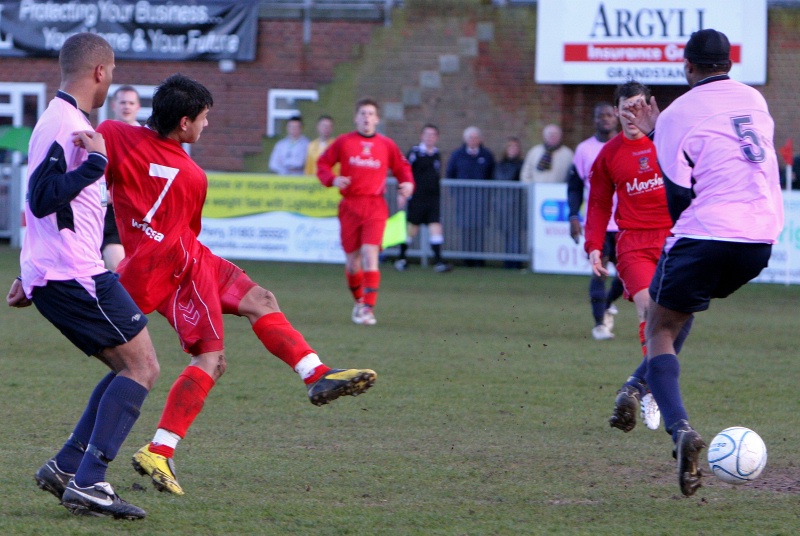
{"x": 158, "y": 193}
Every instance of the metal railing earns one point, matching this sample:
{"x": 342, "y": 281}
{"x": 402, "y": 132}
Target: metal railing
{"x": 310, "y": 10}
{"x": 10, "y": 203}
{"x": 481, "y": 220}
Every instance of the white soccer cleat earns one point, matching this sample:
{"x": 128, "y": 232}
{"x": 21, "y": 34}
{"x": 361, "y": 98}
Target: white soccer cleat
{"x": 602, "y": 333}
{"x": 363, "y": 315}
{"x": 651, "y": 415}
{"x": 367, "y": 316}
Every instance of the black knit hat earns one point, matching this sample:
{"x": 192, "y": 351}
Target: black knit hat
{"x": 708, "y": 47}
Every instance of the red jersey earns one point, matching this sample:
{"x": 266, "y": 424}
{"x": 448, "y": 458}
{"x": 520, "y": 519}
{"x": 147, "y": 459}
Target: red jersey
{"x": 158, "y": 194}
{"x": 366, "y": 160}
{"x": 629, "y": 168}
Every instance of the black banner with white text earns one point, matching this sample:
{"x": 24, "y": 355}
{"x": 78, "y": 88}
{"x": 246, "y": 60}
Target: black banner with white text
{"x": 162, "y": 30}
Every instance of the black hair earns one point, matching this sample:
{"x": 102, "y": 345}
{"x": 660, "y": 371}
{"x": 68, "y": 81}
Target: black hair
{"x": 177, "y": 97}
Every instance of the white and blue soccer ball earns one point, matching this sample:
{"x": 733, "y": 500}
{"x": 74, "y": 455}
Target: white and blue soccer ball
{"x": 737, "y": 455}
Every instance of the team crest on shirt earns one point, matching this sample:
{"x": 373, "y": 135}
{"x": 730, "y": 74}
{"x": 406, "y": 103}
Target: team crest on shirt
{"x": 365, "y": 159}
{"x": 644, "y": 164}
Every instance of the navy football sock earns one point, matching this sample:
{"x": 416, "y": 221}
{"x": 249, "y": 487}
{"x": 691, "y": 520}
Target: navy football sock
{"x": 597, "y": 294}
{"x": 116, "y": 414}
{"x": 71, "y": 454}
{"x": 663, "y": 373}
{"x": 639, "y": 377}
{"x": 614, "y": 292}
{"x": 682, "y": 335}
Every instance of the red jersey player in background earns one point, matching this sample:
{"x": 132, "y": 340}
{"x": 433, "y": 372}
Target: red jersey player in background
{"x": 365, "y": 157}
{"x": 159, "y": 193}
{"x": 627, "y": 165}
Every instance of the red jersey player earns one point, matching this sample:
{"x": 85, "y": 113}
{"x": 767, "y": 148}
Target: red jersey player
{"x": 627, "y": 165}
{"x": 159, "y": 194}
{"x": 365, "y": 157}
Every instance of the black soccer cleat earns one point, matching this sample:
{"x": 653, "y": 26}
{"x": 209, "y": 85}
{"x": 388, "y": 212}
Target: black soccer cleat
{"x": 51, "y": 478}
{"x": 99, "y": 500}
{"x": 687, "y": 451}
{"x": 340, "y": 382}
{"x": 626, "y": 406}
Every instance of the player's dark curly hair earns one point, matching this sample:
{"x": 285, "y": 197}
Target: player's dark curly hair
{"x": 629, "y": 89}
{"x": 177, "y": 97}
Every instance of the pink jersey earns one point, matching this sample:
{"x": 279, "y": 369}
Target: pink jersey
{"x": 64, "y": 244}
{"x": 585, "y": 154}
{"x": 366, "y": 160}
{"x": 717, "y": 139}
{"x": 158, "y": 193}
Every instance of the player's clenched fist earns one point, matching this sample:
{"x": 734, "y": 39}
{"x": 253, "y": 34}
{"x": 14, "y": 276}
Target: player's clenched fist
{"x": 90, "y": 140}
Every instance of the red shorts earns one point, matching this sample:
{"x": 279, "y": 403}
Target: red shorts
{"x": 362, "y": 221}
{"x": 637, "y": 257}
{"x": 209, "y": 288}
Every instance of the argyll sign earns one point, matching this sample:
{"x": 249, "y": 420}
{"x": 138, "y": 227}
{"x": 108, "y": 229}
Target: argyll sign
{"x": 612, "y": 41}
{"x": 136, "y": 29}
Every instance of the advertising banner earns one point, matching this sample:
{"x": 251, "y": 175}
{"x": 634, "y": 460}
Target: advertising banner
{"x": 554, "y": 251}
{"x": 612, "y": 41}
{"x": 136, "y": 29}
{"x": 784, "y": 264}
{"x": 271, "y": 217}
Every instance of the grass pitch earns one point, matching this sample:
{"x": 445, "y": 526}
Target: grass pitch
{"x": 489, "y": 416}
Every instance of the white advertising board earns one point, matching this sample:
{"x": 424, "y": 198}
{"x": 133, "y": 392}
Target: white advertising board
{"x": 612, "y": 41}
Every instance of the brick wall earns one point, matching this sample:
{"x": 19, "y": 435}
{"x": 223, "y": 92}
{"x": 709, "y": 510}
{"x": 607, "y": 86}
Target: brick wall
{"x": 237, "y": 123}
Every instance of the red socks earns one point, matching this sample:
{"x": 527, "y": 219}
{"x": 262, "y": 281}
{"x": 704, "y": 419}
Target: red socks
{"x": 281, "y": 339}
{"x": 372, "y": 282}
{"x": 185, "y": 400}
{"x": 355, "y": 282}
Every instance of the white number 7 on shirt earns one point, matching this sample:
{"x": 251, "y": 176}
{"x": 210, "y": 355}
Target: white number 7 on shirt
{"x": 163, "y": 172}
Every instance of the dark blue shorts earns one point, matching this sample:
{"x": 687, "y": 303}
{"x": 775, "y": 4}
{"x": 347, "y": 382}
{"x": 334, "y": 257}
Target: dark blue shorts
{"x": 423, "y": 210}
{"x": 91, "y": 324}
{"x": 691, "y": 272}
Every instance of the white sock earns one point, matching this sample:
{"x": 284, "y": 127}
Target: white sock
{"x": 166, "y": 438}
{"x": 307, "y": 365}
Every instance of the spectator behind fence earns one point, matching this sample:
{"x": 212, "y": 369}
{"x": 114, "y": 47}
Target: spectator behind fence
{"x": 549, "y": 161}
{"x": 471, "y": 161}
{"x": 324, "y": 138}
{"x": 289, "y": 154}
{"x": 509, "y": 209}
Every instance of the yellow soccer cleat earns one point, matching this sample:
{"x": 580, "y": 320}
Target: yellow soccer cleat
{"x": 160, "y": 468}
{"x": 340, "y": 382}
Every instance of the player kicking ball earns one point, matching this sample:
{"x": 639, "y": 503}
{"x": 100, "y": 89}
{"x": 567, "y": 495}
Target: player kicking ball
{"x": 159, "y": 193}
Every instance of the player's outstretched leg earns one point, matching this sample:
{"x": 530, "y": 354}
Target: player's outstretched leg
{"x": 340, "y": 382}
{"x": 159, "y": 468}
{"x": 688, "y": 445}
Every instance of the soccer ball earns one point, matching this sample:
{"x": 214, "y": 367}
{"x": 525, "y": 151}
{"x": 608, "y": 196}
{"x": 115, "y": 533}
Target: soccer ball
{"x": 737, "y": 455}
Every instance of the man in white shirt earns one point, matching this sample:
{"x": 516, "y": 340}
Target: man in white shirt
{"x": 289, "y": 155}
